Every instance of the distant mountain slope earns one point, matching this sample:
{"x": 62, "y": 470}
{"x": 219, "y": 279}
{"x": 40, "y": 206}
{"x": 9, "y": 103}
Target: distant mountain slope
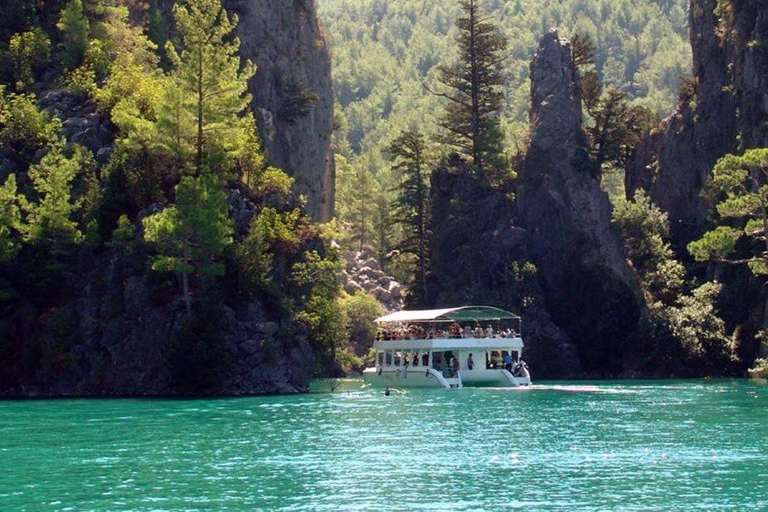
{"x": 382, "y": 49}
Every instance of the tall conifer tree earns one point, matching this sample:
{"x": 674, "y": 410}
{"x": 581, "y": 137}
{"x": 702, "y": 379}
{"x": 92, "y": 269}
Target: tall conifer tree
{"x": 471, "y": 119}
{"x": 209, "y": 73}
{"x": 412, "y": 205}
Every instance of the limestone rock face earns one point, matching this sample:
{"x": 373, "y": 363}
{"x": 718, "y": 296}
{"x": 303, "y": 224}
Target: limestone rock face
{"x": 727, "y": 113}
{"x": 292, "y": 95}
{"x": 590, "y": 290}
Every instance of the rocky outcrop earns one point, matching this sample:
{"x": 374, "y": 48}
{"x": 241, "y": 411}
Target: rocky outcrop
{"x": 81, "y": 122}
{"x": 122, "y": 334}
{"x": 589, "y": 289}
{"x": 292, "y": 96}
{"x": 479, "y": 255}
{"x": 723, "y": 110}
{"x": 362, "y": 273}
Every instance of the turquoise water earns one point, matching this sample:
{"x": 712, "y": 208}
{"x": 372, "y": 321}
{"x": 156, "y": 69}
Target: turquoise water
{"x": 652, "y": 445}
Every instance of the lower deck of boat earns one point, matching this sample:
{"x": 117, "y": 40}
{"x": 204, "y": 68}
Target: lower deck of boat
{"x": 421, "y": 377}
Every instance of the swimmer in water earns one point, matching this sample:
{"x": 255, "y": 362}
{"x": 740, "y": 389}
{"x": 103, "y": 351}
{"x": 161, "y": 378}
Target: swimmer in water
{"x": 389, "y": 391}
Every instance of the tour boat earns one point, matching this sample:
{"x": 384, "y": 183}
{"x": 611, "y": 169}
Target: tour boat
{"x": 449, "y": 348}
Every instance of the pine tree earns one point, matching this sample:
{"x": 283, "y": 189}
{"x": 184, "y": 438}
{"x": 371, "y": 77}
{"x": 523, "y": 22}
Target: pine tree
{"x": 214, "y": 84}
{"x": 742, "y": 184}
{"x": 192, "y": 234}
{"x": 75, "y": 30}
{"x": 471, "y": 119}
{"x": 11, "y": 204}
{"x": 49, "y": 220}
{"x": 616, "y": 127}
{"x": 412, "y": 205}
{"x": 354, "y": 200}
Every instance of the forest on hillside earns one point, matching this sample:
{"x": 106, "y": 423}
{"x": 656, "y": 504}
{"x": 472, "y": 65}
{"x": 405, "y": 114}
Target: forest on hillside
{"x": 405, "y": 76}
{"x": 384, "y": 51}
{"x": 143, "y": 225}
{"x": 135, "y": 198}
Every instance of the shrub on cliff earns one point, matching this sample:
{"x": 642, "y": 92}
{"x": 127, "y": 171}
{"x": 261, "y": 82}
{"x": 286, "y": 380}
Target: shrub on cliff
{"x": 360, "y": 310}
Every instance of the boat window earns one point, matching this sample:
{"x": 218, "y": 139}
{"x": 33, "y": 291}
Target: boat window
{"x": 437, "y": 360}
{"x": 425, "y": 359}
{"x": 389, "y": 358}
{"x": 398, "y": 358}
{"x": 415, "y": 358}
{"x": 380, "y": 358}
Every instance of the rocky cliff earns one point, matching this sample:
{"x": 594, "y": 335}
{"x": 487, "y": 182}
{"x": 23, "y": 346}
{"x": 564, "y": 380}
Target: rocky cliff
{"x": 722, "y": 110}
{"x": 124, "y": 333}
{"x": 589, "y": 289}
{"x": 479, "y": 255}
{"x": 292, "y": 96}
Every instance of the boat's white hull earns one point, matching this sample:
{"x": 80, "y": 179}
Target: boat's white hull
{"x": 421, "y": 377}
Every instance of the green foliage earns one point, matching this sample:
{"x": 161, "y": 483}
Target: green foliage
{"x": 75, "y": 30}
{"x": 49, "y": 220}
{"x": 360, "y": 310}
{"x": 318, "y": 282}
{"x": 192, "y": 234}
{"x": 699, "y": 343}
{"x": 740, "y": 185}
{"x": 273, "y": 182}
{"x": 212, "y": 84}
{"x": 121, "y": 41}
{"x": 280, "y": 230}
{"x": 253, "y": 262}
{"x": 124, "y": 234}
{"x": 30, "y": 52}
{"x": 297, "y": 101}
{"x": 353, "y": 198}
{"x": 408, "y": 152}
{"x": 11, "y": 228}
{"x": 474, "y": 83}
{"x": 616, "y": 129}
{"x": 385, "y": 50}
{"x": 25, "y": 130}
{"x": 644, "y": 228}
{"x": 80, "y": 82}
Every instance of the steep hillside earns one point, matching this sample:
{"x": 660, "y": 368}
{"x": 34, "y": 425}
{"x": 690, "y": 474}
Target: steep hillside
{"x": 723, "y": 110}
{"x": 148, "y": 244}
{"x": 590, "y": 291}
{"x": 292, "y": 95}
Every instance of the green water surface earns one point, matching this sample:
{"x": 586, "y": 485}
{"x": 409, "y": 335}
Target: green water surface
{"x": 651, "y": 445}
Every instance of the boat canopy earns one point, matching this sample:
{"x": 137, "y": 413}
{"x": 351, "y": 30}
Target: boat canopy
{"x": 462, "y": 314}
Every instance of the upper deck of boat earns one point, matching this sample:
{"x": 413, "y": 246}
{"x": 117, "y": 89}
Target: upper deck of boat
{"x": 449, "y": 329}
{"x": 449, "y": 343}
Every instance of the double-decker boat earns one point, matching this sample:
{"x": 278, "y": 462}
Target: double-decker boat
{"x": 449, "y": 348}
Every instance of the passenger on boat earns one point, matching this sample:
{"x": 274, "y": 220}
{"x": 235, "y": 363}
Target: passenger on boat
{"x": 489, "y": 332}
{"x": 470, "y": 362}
{"x": 507, "y": 362}
{"x": 520, "y": 368}
{"x": 467, "y": 332}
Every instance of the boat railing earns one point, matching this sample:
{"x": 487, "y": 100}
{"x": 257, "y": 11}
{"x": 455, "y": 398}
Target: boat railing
{"x": 438, "y": 337}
